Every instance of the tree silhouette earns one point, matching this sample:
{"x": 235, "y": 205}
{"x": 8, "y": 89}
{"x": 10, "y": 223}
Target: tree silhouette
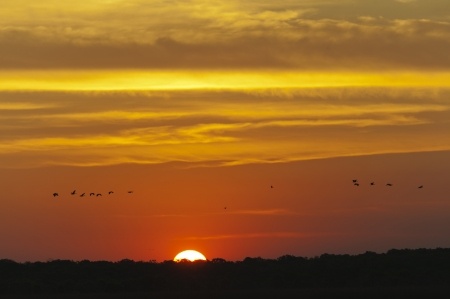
{"x": 400, "y": 269}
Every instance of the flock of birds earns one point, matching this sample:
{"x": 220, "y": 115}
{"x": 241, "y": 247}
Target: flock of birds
{"x": 74, "y": 192}
{"x": 356, "y": 183}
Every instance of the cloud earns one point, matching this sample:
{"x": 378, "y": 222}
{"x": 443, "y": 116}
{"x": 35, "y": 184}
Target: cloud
{"x": 219, "y": 127}
{"x": 12, "y": 106}
{"x": 202, "y": 34}
{"x": 261, "y": 212}
{"x": 265, "y": 212}
{"x": 182, "y": 80}
{"x": 284, "y": 235}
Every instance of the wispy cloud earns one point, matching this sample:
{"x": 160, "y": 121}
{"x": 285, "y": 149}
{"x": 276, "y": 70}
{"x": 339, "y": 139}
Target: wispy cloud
{"x": 10, "y": 106}
{"x": 260, "y": 212}
{"x": 283, "y": 235}
{"x": 265, "y": 212}
{"x": 217, "y": 127}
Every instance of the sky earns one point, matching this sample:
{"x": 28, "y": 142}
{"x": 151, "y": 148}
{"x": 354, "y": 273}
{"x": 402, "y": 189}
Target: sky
{"x": 235, "y": 128}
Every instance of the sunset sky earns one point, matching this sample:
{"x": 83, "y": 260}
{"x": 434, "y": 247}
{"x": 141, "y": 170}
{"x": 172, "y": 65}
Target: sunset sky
{"x": 238, "y": 125}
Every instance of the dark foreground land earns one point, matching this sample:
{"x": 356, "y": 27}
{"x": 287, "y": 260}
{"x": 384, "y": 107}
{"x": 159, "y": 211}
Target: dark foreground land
{"x": 335, "y": 293}
{"x": 420, "y": 273}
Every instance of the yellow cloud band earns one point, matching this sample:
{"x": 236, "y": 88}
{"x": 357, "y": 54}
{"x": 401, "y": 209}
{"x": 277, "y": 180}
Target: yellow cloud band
{"x": 209, "y": 80}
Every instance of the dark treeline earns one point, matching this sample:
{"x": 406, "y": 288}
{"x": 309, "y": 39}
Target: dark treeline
{"x": 396, "y": 268}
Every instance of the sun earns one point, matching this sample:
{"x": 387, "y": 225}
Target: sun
{"x": 190, "y": 255}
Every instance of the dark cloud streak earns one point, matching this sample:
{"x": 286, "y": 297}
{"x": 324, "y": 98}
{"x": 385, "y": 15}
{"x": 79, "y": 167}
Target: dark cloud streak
{"x": 303, "y": 44}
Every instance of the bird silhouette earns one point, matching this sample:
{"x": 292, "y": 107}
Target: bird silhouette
{"x": 354, "y": 181}
{"x": 110, "y": 192}
{"x": 372, "y": 183}
{"x": 91, "y": 194}
{"x": 356, "y": 184}
{"x": 130, "y": 192}
{"x": 55, "y": 194}
{"x": 389, "y": 184}
{"x": 83, "y": 194}
{"x": 420, "y": 187}
{"x": 99, "y": 194}
{"x": 73, "y": 192}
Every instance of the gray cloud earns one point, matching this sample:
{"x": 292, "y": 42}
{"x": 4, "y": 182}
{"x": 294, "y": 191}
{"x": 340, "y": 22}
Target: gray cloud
{"x": 296, "y": 34}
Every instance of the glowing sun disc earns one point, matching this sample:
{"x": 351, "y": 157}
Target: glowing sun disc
{"x": 190, "y": 255}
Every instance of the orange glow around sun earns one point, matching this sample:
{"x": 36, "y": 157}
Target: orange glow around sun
{"x": 190, "y": 255}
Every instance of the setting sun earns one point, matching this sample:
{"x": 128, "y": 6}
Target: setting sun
{"x": 190, "y": 255}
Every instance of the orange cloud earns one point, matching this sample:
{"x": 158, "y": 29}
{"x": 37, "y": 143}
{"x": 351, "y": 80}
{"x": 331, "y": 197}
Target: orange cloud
{"x": 288, "y": 235}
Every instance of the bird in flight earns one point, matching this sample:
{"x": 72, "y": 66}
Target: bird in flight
{"x": 110, "y": 192}
{"x": 389, "y": 184}
{"x": 83, "y": 194}
{"x": 99, "y": 194}
{"x": 420, "y": 187}
{"x": 73, "y": 192}
{"x": 372, "y": 183}
{"x": 91, "y": 194}
{"x": 55, "y": 194}
{"x": 130, "y": 192}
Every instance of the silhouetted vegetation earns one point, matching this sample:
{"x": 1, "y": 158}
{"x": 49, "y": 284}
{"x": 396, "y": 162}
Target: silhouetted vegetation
{"x": 396, "y": 269}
